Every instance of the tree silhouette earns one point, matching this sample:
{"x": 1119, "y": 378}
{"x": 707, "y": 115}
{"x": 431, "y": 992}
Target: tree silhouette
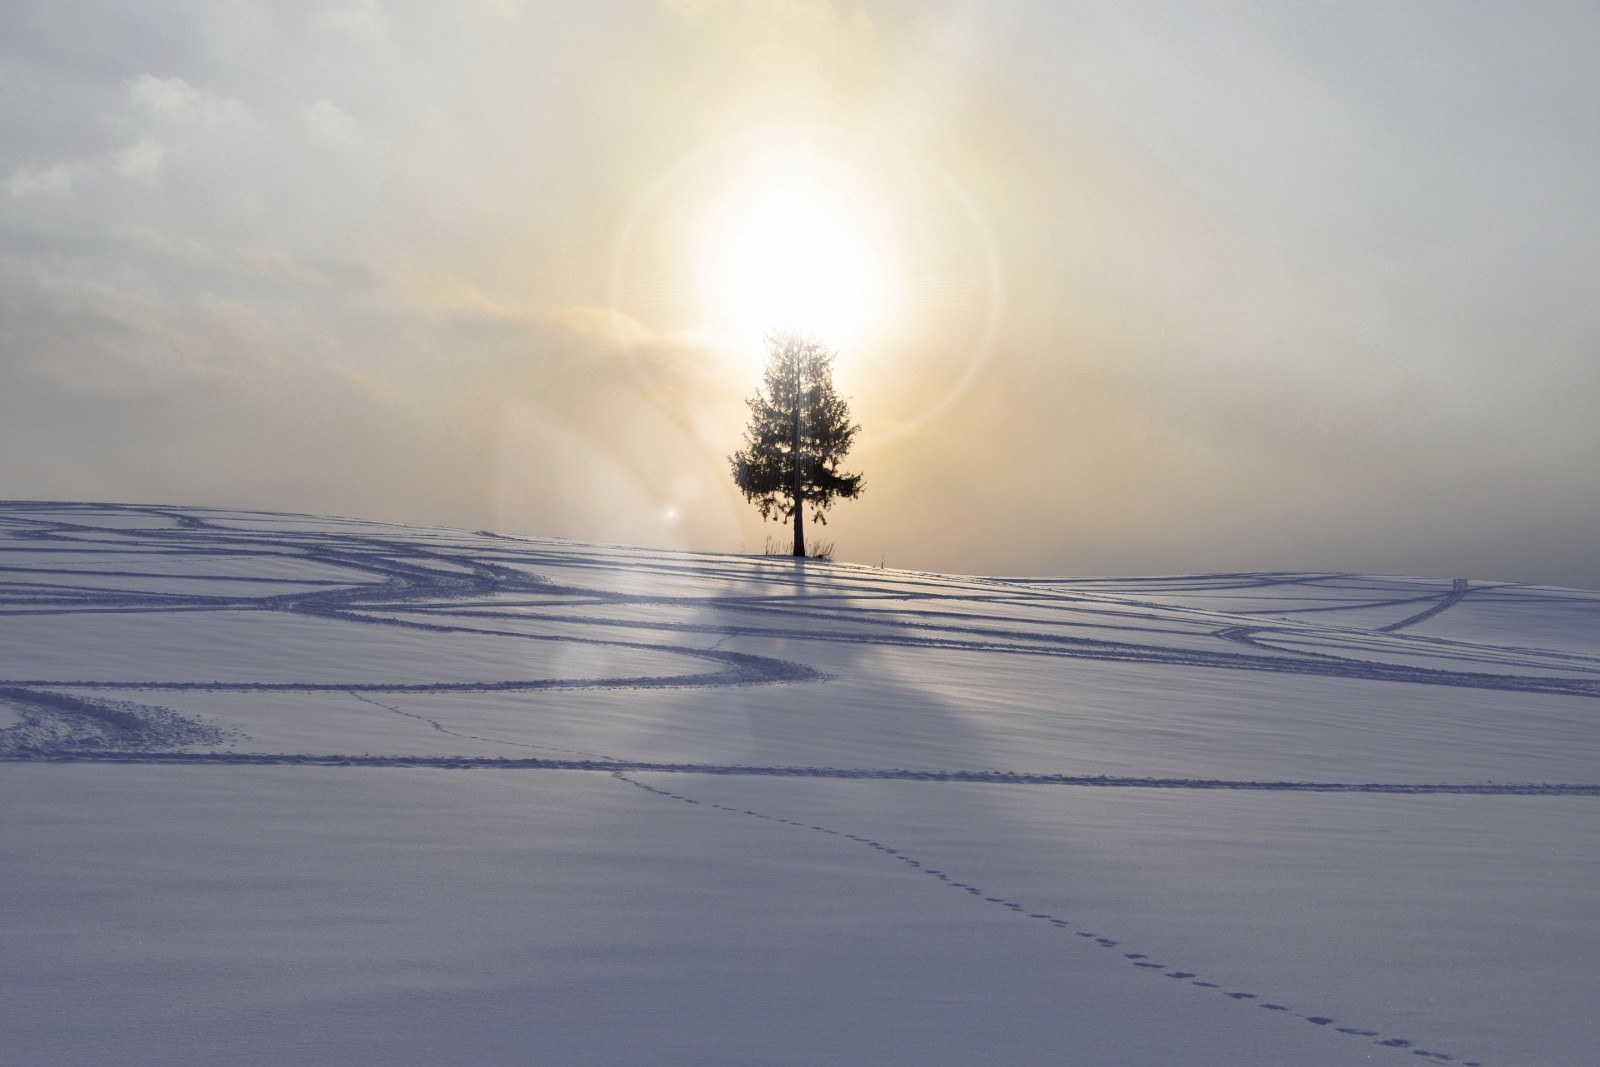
{"x": 799, "y": 431}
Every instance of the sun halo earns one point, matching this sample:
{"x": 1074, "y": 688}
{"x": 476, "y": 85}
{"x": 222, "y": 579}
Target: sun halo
{"x": 881, "y": 254}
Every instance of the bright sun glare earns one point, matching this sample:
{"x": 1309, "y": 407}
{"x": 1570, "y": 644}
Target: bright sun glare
{"x": 794, "y": 248}
{"x": 879, "y": 253}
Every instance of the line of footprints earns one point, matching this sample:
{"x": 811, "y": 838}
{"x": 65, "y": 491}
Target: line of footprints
{"x": 1137, "y": 959}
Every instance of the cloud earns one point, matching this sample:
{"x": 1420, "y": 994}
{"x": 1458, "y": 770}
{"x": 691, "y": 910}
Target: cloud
{"x": 456, "y": 294}
{"x": 501, "y": 9}
{"x": 362, "y": 18}
{"x": 328, "y": 122}
{"x": 1259, "y": 297}
{"x": 174, "y": 98}
{"x": 138, "y": 160}
{"x": 603, "y": 324}
{"x": 153, "y": 115}
{"x": 26, "y": 181}
{"x": 790, "y": 11}
{"x": 275, "y": 266}
{"x": 460, "y": 296}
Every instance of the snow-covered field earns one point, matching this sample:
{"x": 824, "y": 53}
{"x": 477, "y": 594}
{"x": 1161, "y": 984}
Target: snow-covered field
{"x": 282, "y": 789}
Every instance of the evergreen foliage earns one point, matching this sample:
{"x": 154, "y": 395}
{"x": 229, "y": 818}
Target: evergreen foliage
{"x": 799, "y": 432}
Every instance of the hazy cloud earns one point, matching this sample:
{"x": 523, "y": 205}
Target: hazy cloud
{"x": 138, "y": 160}
{"x": 174, "y": 98}
{"x": 25, "y": 181}
{"x": 329, "y": 122}
{"x": 1284, "y": 286}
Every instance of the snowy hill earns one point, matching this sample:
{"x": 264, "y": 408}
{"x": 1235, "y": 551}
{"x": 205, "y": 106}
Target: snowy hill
{"x": 283, "y": 789}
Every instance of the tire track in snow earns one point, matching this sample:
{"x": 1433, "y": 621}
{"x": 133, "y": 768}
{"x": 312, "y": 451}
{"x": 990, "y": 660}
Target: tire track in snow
{"x": 1033, "y": 643}
{"x": 609, "y": 766}
{"x": 408, "y": 572}
{"x": 403, "y": 576}
{"x": 1458, "y": 592}
{"x": 743, "y": 670}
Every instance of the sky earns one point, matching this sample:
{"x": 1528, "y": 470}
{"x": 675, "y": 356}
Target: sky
{"x": 1138, "y": 287}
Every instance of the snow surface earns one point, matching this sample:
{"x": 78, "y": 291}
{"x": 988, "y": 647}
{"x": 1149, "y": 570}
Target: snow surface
{"x": 286, "y": 789}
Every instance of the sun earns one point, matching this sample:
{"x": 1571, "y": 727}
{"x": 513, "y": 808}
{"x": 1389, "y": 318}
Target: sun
{"x": 793, "y": 246}
{"x": 875, "y": 249}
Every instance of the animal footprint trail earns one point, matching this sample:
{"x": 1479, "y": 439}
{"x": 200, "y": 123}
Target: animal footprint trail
{"x": 442, "y": 728}
{"x": 1138, "y": 960}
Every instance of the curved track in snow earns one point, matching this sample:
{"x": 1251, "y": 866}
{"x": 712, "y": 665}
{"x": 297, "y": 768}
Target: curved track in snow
{"x": 146, "y": 563}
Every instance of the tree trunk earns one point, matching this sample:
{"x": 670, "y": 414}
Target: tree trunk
{"x": 799, "y": 486}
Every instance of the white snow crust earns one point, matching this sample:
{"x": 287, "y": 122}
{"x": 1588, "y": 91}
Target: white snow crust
{"x": 285, "y": 789}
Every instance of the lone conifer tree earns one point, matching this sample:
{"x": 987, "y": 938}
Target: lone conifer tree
{"x": 799, "y": 431}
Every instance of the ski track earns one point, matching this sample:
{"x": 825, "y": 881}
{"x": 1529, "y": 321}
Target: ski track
{"x": 462, "y": 585}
